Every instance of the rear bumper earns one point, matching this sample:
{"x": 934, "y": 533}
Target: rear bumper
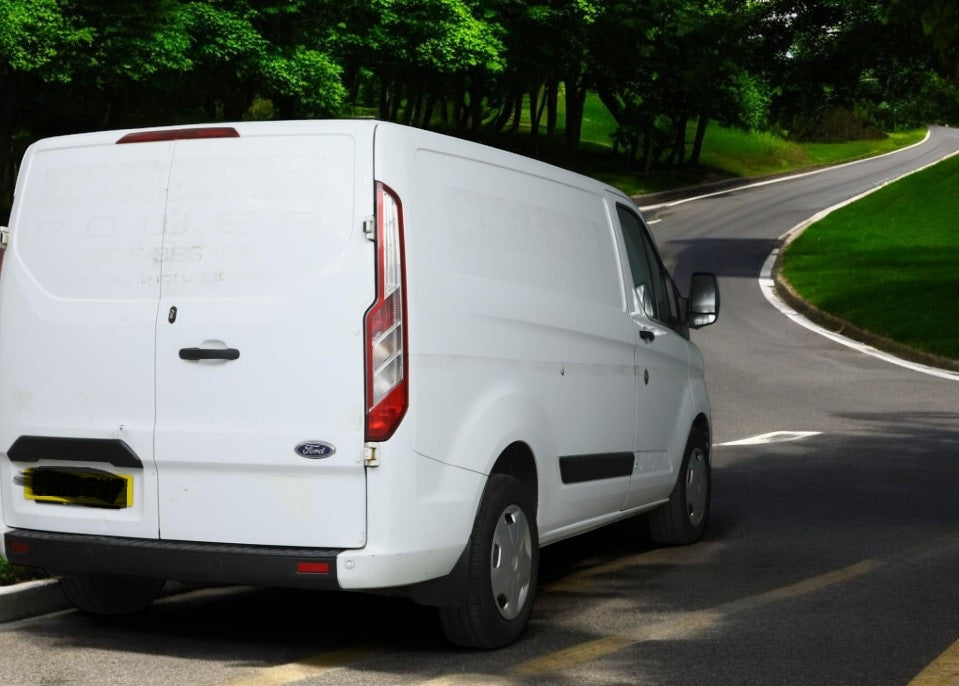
{"x": 59, "y": 553}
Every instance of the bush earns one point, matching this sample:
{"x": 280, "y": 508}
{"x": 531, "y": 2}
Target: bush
{"x": 835, "y": 125}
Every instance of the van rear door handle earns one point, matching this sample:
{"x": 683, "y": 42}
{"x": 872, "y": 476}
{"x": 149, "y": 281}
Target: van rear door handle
{"x": 209, "y": 353}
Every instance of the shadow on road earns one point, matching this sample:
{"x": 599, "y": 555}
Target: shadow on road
{"x": 782, "y": 513}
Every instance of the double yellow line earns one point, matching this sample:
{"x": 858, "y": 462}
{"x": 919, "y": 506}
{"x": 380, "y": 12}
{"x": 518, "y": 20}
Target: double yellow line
{"x": 944, "y": 671}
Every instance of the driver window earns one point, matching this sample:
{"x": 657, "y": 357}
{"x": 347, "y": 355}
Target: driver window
{"x": 647, "y": 279}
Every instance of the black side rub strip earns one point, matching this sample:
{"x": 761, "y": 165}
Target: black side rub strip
{"x": 110, "y": 450}
{"x": 574, "y": 469}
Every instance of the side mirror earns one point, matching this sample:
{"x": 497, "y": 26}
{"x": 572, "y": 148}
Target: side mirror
{"x": 703, "y": 304}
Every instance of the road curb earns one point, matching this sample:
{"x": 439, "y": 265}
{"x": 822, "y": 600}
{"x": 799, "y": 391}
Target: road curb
{"x": 30, "y": 599}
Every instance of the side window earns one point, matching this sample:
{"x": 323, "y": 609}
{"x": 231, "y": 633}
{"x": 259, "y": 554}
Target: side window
{"x": 648, "y": 277}
{"x": 661, "y": 285}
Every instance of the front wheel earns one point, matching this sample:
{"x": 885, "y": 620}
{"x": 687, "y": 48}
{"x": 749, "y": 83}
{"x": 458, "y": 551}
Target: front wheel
{"x": 102, "y": 594}
{"x": 503, "y": 565}
{"x": 683, "y": 519}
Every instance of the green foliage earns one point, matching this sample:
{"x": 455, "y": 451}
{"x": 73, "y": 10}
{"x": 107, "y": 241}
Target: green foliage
{"x": 888, "y": 262}
{"x": 309, "y": 76}
{"x": 666, "y": 70}
{"x": 7, "y": 575}
{"x": 38, "y": 36}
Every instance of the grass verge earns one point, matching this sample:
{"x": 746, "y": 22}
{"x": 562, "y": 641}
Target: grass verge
{"x": 890, "y": 262}
{"x": 7, "y": 575}
{"x": 727, "y": 152}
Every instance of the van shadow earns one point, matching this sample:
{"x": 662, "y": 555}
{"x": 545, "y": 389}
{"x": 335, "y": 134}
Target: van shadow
{"x": 781, "y": 513}
{"x": 724, "y": 257}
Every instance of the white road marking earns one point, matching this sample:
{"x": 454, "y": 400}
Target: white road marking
{"x": 780, "y": 179}
{"x": 768, "y": 287}
{"x": 765, "y": 277}
{"x": 773, "y": 437}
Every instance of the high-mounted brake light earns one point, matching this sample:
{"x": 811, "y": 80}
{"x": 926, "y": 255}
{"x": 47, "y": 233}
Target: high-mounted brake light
{"x": 387, "y": 383}
{"x": 180, "y": 134}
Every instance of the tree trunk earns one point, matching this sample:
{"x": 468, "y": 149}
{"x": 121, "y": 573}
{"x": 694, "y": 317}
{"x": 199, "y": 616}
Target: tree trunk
{"x": 384, "y": 106}
{"x": 462, "y": 110}
{"x": 476, "y": 105}
{"x": 535, "y": 114}
{"x": 552, "y": 110}
{"x": 679, "y": 144}
{"x": 575, "y": 100}
{"x": 648, "y": 148}
{"x": 427, "y": 113}
{"x": 505, "y": 114}
{"x": 409, "y": 112}
{"x": 517, "y": 111}
{"x": 396, "y": 98}
{"x": 697, "y": 151}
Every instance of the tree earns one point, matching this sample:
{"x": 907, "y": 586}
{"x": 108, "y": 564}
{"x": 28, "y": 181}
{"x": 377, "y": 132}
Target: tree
{"x": 39, "y": 43}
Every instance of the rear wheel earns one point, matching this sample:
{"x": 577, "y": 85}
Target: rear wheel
{"x": 683, "y": 519}
{"x": 103, "y": 594}
{"x": 503, "y": 564}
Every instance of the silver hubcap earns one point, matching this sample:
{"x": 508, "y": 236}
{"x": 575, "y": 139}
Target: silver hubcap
{"x": 511, "y": 562}
{"x": 696, "y": 487}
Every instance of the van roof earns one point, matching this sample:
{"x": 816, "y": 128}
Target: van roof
{"x": 429, "y": 139}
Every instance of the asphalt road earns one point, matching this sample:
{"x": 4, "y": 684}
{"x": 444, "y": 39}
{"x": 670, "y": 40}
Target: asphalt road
{"x": 830, "y": 559}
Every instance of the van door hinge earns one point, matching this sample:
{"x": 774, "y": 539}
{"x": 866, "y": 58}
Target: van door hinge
{"x": 369, "y": 228}
{"x": 371, "y": 456}
{"x": 4, "y": 237}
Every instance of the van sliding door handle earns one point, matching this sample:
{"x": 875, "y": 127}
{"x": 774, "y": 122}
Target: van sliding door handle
{"x": 209, "y": 353}
{"x": 647, "y": 335}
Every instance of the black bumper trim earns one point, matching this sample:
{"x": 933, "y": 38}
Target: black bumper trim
{"x": 110, "y": 450}
{"x": 218, "y": 563}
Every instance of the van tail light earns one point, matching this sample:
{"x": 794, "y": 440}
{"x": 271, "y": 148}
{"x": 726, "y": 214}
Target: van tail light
{"x": 4, "y": 242}
{"x": 387, "y": 382}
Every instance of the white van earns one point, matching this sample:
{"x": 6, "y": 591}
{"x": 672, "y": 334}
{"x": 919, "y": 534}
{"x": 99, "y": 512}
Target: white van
{"x": 335, "y": 355}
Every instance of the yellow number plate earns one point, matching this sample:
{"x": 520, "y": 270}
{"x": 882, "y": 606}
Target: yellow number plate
{"x": 78, "y": 486}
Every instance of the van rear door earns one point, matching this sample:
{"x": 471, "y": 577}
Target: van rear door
{"x": 81, "y": 282}
{"x": 266, "y": 275}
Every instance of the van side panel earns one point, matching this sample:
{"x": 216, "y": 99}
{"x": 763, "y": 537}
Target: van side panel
{"x": 78, "y": 302}
{"x": 524, "y": 273}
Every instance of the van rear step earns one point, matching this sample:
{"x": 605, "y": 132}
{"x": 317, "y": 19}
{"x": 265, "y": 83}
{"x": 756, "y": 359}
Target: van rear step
{"x": 313, "y": 568}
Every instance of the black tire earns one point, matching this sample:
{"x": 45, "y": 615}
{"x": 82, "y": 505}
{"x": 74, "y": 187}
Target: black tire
{"x": 102, "y": 594}
{"x": 683, "y": 519}
{"x": 503, "y": 566}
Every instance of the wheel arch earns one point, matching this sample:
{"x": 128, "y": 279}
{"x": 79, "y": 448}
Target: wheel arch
{"x": 517, "y": 460}
{"x": 701, "y": 422}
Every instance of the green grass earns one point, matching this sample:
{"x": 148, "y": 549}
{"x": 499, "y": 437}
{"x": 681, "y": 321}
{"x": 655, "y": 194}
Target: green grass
{"x": 727, "y": 152}
{"x": 7, "y": 576}
{"x": 890, "y": 262}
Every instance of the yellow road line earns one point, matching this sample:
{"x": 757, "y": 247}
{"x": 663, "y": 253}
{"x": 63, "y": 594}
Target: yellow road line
{"x": 304, "y": 669}
{"x": 804, "y": 587}
{"x": 576, "y": 654}
{"x": 680, "y": 625}
{"x": 944, "y": 671}
{"x": 692, "y": 555}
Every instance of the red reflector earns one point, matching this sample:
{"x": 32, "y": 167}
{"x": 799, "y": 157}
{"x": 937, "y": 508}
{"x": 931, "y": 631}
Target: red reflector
{"x": 180, "y": 134}
{"x": 313, "y": 567}
{"x": 19, "y": 547}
